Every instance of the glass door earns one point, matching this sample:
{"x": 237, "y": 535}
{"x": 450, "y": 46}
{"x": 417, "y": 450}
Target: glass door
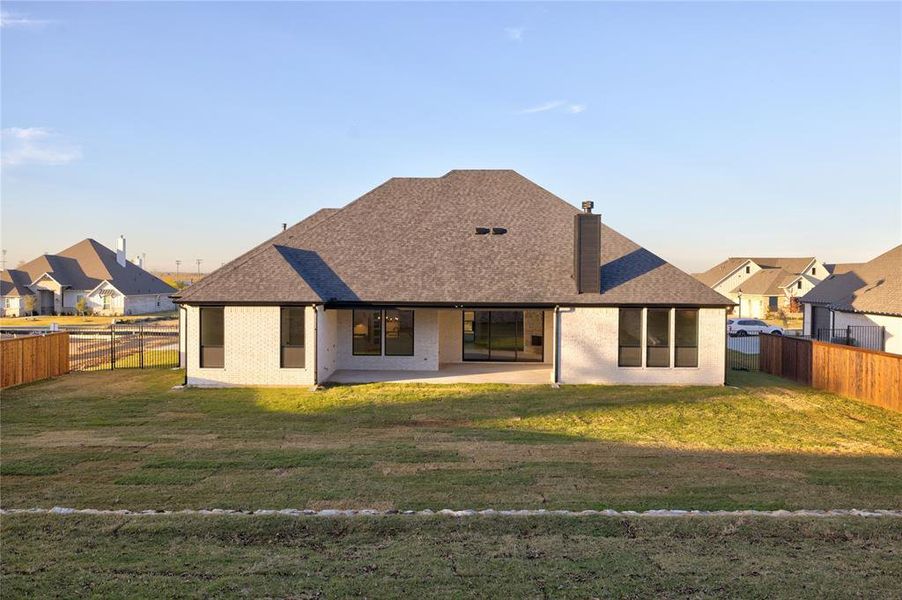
{"x": 503, "y": 335}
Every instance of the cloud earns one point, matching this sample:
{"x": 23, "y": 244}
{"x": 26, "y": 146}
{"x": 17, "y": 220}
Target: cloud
{"x": 13, "y": 20}
{"x": 35, "y": 146}
{"x": 515, "y": 34}
{"x": 546, "y": 106}
{"x": 556, "y": 105}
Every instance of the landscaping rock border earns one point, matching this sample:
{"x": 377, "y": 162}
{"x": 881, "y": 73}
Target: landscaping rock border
{"x": 366, "y": 512}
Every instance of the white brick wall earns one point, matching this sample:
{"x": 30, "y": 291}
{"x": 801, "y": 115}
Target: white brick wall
{"x": 425, "y": 345}
{"x": 589, "y": 347}
{"x": 327, "y": 344}
{"x": 252, "y": 349}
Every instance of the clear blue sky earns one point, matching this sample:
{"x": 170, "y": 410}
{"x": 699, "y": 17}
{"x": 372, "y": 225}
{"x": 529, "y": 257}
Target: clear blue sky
{"x": 699, "y": 130}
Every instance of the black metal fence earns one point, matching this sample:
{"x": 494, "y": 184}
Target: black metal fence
{"x": 742, "y": 353}
{"x": 870, "y": 337}
{"x": 121, "y": 346}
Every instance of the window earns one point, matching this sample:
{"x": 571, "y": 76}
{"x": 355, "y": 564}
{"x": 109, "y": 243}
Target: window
{"x": 799, "y": 285}
{"x": 814, "y": 270}
{"x": 367, "y": 331}
{"x": 212, "y": 335}
{"x": 292, "y": 337}
{"x": 657, "y": 337}
{"x": 398, "y": 332}
{"x": 503, "y": 335}
{"x": 630, "y": 344}
{"x": 107, "y": 303}
{"x": 748, "y": 269}
{"x": 158, "y": 301}
{"x": 686, "y": 338}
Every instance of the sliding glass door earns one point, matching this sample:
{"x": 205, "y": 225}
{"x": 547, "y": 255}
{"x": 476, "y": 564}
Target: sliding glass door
{"x": 503, "y": 335}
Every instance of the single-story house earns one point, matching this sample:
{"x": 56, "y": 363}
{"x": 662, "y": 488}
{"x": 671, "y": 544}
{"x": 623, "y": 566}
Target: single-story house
{"x": 860, "y": 294}
{"x": 53, "y": 284}
{"x": 760, "y": 286}
{"x": 478, "y": 275}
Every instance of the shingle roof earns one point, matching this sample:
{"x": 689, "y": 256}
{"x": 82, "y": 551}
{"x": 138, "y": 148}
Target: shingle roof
{"x": 413, "y": 240}
{"x": 873, "y": 287}
{"x": 767, "y": 282}
{"x": 83, "y": 267}
{"x": 791, "y": 265}
{"x": 712, "y": 276}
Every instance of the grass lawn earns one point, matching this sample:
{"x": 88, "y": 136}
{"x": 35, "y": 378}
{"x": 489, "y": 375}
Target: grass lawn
{"x": 124, "y": 439}
{"x": 47, "y": 320}
{"x": 440, "y": 557}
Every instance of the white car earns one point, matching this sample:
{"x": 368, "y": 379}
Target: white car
{"x": 744, "y": 327}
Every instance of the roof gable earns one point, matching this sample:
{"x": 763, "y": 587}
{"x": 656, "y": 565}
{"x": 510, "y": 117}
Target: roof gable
{"x": 871, "y": 287}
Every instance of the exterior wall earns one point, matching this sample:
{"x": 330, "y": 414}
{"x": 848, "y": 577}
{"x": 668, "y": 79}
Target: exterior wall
{"x": 893, "y": 325}
{"x": 147, "y": 304}
{"x": 806, "y": 319}
{"x": 730, "y": 283}
{"x": 753, "y": 307}
{"x": 12, "y": 306}
{"x": 117, "y": 302}
{"x": 425, "y": 345}
{"x": 251, "y": 349}
{"x": 327, "y": 343}
{"x": 589, "y": 348}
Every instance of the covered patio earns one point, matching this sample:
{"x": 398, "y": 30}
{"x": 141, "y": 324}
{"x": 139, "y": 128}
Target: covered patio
{"x": 509, "y": 373}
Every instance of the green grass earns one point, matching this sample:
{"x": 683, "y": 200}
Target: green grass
{"x": 46, "y": 320}
{"x": 124, "y": 439}
{"x": 440, "y": 557}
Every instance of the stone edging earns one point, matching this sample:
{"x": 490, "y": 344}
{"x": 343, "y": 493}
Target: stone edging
{"x": 293, "y": 512}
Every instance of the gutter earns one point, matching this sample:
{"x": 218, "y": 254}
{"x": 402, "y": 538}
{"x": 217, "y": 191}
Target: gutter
{"x": 315, "y": 346}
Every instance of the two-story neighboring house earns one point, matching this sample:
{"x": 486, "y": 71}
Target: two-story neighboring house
{"x": 53, "y": 284}
{"x": 764, "y": 285}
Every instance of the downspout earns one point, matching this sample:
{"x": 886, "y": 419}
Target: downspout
{"x": 557, "y": 346}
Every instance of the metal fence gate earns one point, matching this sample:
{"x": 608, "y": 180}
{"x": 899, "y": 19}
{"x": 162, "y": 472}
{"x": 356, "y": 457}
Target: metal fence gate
{"x": 120, "y": 346}
{"x": 124, "y": 346}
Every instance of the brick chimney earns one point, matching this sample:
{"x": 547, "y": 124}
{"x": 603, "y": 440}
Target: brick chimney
{"x": 587, "y": 250}
{"x": 120, "y": 251}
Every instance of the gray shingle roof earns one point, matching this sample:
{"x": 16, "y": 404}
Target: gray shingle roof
{"x": 83, "y": 267}
{"x": 873, "y": 287}
{"x": 412, "y": 240}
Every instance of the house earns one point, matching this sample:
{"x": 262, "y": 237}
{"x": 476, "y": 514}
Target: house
{"x": 53, "y": 284}
{"x": 860, "y": 294}
{"x": 473, "y": 276}
{"x": 764, "y": 285}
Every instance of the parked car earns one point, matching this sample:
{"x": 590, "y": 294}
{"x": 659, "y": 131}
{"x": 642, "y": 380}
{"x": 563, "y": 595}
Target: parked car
{"x": 743, "y": 327}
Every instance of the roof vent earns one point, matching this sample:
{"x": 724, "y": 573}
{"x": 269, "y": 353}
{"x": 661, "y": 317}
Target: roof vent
{"x": 482, "y": 230}
{"x": 588, "y": 205}
{"x": 499, "y": 230}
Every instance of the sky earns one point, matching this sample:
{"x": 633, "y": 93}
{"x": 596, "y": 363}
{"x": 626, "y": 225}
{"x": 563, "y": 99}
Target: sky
{"x": 700, "y": 130}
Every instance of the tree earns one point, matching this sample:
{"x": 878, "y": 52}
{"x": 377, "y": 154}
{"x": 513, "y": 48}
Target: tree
{"x": 81, "y": 305}
{"x": 28, "y": 305}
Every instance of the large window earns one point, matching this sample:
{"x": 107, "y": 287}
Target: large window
{"x": 212, "y": 336}
{"x": 292, "y": 337}
{"x": 630, "y": 344}
{"x": 686, "y": 334}
{"x": 503, "y": 335}
{"x": 398, "y": 332}
{"x": 367, "y": 333}
{"x": 657, "y": 337}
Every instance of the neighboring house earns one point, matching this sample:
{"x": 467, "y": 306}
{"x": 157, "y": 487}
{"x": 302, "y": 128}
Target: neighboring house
{"x": 859, "y": 294}
{"x": 764, "y": 285}
{"x": 53, "y": 284}
{"x": 474, "y": 273}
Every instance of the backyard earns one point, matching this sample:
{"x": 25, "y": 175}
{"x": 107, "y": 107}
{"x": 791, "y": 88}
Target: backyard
{"x": 125, "y": 439}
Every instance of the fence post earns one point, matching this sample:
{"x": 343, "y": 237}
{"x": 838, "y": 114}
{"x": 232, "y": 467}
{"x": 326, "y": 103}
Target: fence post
{"x": 112, "y": 347}
{"x": 141, "y": 343}
{"x": 883, "y": 338}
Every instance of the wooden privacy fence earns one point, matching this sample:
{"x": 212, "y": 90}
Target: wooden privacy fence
{"x": 869, "y": 375}
{"x": 31, "y": 358}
